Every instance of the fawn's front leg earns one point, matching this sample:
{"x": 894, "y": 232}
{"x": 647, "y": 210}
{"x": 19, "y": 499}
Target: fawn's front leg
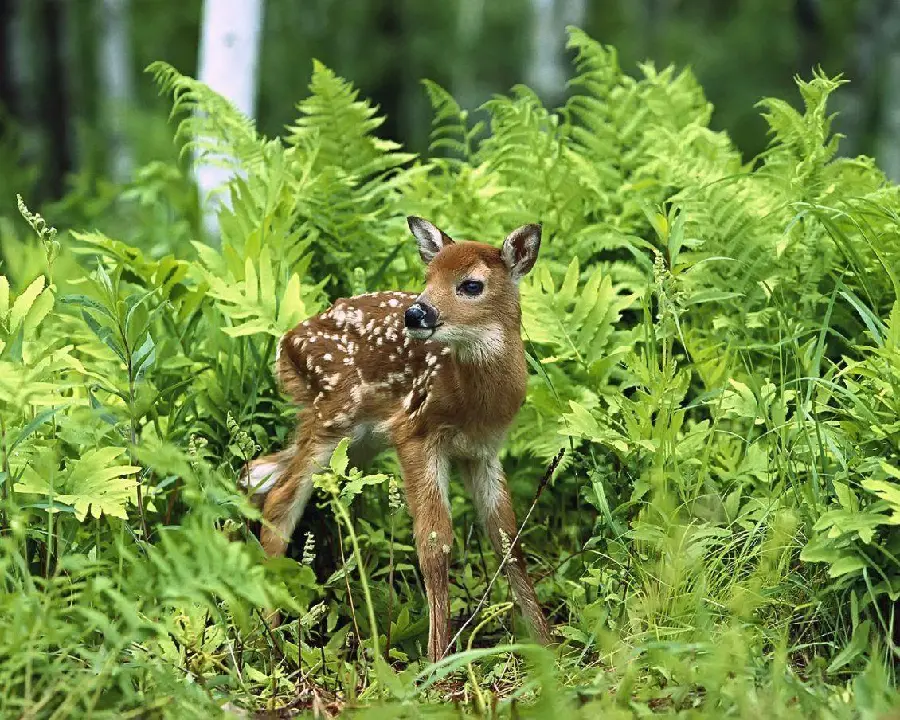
{"x": 487, "y": 485}
{"x": 425, "y": 476}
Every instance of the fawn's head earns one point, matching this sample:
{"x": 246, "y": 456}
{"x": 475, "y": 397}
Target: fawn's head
{"x": 471, "y": 294}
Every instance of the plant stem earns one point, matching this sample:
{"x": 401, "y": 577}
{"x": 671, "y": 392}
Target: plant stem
{"x": 362, "y": 574}
{"x": 390, "y": 613}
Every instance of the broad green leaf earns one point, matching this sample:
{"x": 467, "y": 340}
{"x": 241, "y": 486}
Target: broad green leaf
{"x": 23, "y": 304}
{"x": 93, "y": 484}
{"x": 4, "y": 296}
{"x": 845, "y": 565}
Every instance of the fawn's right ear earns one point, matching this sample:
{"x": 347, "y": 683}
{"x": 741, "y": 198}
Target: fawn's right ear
{"x": 431, "y": 240}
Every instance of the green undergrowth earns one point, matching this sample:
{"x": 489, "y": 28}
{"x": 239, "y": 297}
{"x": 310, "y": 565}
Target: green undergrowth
{"x": 713, "y": 342}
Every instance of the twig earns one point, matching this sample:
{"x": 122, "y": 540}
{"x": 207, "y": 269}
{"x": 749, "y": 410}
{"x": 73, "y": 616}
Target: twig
{"x": 543, "y": 484}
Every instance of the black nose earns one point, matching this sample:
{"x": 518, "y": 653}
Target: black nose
{"x": 420, "y": 315}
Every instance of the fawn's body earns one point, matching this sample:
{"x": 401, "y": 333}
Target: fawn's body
{"x": 440, "y": 377}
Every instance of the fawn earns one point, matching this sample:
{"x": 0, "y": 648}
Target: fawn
{"x": 440, "y": 376}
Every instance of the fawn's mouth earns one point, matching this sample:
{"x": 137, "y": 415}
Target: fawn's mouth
{"x": 423, "y": 333}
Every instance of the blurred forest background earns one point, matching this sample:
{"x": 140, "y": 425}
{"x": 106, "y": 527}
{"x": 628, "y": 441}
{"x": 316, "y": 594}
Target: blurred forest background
{"x": 713, "y": 332}
{"x": 66, "y": 65}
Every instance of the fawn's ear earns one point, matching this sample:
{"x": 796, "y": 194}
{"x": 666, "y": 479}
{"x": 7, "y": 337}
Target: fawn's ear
{"x": 431, "y": 240}
{"x": 520, "y": 250}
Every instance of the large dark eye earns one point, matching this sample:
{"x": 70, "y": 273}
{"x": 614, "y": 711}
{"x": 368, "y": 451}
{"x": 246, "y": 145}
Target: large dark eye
{"x": 471, "y": 287}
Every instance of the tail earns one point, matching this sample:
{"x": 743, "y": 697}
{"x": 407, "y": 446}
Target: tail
{"x": 265, "y": 472}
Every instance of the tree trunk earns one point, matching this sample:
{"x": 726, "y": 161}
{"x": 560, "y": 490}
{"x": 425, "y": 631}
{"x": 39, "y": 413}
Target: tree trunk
{"x": 854, "y": 101}
{"x": 54, "y": 102}
{"x": 116, "y": 85}
{"x": 8, "y": 90}
{"x": 229, "y": 59}
{"x": 389, "y": 94}
{"x": 468, "y": 30}
{"x": 547, "y": 72}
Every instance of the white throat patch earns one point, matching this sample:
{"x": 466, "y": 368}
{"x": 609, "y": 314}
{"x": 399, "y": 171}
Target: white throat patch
{"x": 480, "y": 346}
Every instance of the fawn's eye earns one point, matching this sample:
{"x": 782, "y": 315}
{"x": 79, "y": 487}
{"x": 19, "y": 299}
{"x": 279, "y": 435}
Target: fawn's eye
{"x": 472, "y": 288}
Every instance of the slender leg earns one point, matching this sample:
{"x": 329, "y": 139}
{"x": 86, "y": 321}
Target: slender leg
{"x": 487, "y": 485}
{"x": 287, "y": 498}
{"x": 426, "y": 476}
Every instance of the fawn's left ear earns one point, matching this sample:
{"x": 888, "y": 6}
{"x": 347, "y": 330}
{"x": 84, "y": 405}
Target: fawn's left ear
{"x": 431, "y": 239}
{"x": 520, "y": 250}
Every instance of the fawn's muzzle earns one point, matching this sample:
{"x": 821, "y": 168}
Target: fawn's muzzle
{"x": 420, "y": 316}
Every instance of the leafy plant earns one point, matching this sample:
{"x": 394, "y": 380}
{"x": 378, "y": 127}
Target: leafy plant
{"x": 715, "y": 344}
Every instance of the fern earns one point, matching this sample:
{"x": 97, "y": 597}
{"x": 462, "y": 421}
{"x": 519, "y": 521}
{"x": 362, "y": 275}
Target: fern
{"x": 714, "y": 342}
{"x": 450, "y": 131}
{"x": 92, "y": 484}
{"x": 252, "y": 302}
{"x": 25, "y": 312}
{"x": 213, "y": 127}
{"x": 576, "y": 323}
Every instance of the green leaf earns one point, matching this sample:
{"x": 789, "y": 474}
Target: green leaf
{"x": 339, "y": 459}
{"x": 4, "y": 296}
{"x": 845, "y": 565}
{"x": 93, "y": 484}
{"x": 355, "y": 485}
{"x": 858, "y": 644}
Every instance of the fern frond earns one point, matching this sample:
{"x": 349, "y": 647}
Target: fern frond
{"x": 450, "y": 131}
{"x": 213, "y": 128}
{"x": 342, "y": 128}
{"x": 577, "y": 323}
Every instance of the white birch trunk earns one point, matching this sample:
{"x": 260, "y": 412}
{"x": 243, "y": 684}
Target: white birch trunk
{"x": 229, "y": 58}
{"x": 468, "y": 30}
{"x": 116, "y": 83}
{"x": 547, "y": 71}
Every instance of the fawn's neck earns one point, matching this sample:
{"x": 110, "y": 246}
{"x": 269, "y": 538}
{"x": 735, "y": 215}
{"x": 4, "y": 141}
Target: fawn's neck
{"x": 491, "y": 376}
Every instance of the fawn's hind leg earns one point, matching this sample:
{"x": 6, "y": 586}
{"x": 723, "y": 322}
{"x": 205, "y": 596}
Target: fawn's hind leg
{"x": 286, "y": 500}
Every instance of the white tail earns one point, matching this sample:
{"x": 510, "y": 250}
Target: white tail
{"x": 439, "y": 376}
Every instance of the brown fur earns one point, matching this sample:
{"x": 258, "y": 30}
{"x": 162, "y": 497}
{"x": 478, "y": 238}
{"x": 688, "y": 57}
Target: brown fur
{"x": 449, "y": 398}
